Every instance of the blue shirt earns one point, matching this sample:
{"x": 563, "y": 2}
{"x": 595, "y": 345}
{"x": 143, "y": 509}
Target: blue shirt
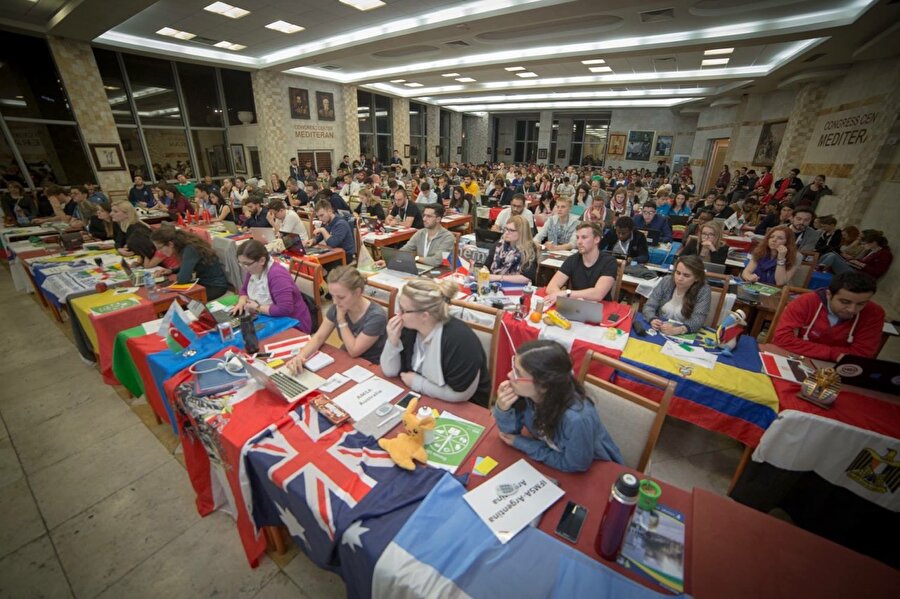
{"x": 580, "y": 437}
{"x": 341, "y": 236}
{"x": 659, "y": 223}
{"x": 143, "y": 194}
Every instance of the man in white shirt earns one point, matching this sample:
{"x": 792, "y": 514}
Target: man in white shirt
{"x": 516, "y": 207}
{"x": 286, "y": 223}
{"x": 426, "y": 195}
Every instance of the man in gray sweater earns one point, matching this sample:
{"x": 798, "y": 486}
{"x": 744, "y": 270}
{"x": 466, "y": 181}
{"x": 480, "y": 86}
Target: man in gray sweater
{"x": 431, "y": 242}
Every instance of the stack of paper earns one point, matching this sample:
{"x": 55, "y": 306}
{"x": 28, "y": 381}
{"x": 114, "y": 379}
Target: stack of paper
{"x": 694, "y": 355}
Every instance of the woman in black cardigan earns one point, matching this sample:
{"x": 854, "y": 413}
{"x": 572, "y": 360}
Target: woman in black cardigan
{"x": 710, "y": 248}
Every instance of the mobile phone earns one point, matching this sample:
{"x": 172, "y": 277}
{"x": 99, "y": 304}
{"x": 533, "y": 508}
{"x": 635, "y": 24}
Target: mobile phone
{"x": 263, "y": 355}
{"x": 407, "y": 398}
{"x": 572, "y": 520}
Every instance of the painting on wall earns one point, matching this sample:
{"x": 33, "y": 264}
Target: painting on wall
{"x": 325, "y": 105}
{"x": 299, "y": 99}
{"x": 238, "y": 159}
{"x": 108, "y": 157}
{"x": 640, "y": 143}
{"x": 617, "y": 144}
{"x": 663, "y": 145}
{"x": 679, "y": 162}
{"x": 769, "y": 141}
{"x": 542, "y": 153}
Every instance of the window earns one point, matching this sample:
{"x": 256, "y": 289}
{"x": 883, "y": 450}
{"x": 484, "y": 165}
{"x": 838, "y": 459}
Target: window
{"x": 526, "y": 141}
{"x": 589, "y": 141}
{"x": 210, "y": 147}
{"x": 168, "y": 153}
{"x": 418, "y": 133}
{"x": 238, "y": 90}
{"x": 201, "y": 95}
{"x": 374, "y": 114}
{"x": 320, "y": 159}
{"x": 52, "y": 153}
{"x": 153, "y": 89}
{"x": 134, "y": 154}
{"x": 29, "y": 84}
{"x": 114, "y": 85}
{"x": 445, "y": 136}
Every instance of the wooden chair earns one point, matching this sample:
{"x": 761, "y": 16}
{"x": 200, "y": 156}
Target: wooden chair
{"x": 633, "y": 421}
{"x": 617, "y": 287}
{"x": 308, "y": 276}
{"x": 383, "y": 295}
{"x": 485, "y": 322}
{"x": 805, "y": 269}
{"x": 787, "y": 294}
{"x": 718, "y": 298}
{"x": 455, "y": 254}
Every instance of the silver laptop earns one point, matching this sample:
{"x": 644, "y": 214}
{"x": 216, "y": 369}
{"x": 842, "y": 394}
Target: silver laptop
{"x": 262, "y": 234}
{"x": 714, "y": 267}
{"x": 403, "y": 262}
{"x": 580, "y": 310}
{"x": 286, "y": 386}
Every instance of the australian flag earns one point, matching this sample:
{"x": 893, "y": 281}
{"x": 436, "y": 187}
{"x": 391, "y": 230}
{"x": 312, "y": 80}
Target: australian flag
{"x": 314, "y": 478}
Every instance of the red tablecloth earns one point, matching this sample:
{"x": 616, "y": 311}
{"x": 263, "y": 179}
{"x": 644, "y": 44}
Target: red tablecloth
{"x": 494, "y": 213}
{"x": 742, "y": 245}
{"x": 107, "y": 326}
{"x": 140, "y": 348}
{"x": 514, "y": 333}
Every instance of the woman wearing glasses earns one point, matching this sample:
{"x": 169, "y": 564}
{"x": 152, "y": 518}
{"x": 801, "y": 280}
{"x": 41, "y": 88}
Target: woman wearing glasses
{"x": 268, "y": 287}
{"x": 543, "y": 396}
{"x": 710, "y": 248}
{"x": 433, "y": 352}
{"x": 515, "y": 259}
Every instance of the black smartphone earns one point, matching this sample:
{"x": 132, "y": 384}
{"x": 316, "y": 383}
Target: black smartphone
{"x": 407, "y": 398}
{"x": 572, "y": 520}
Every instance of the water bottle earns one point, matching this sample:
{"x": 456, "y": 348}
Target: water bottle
{"x": 622, "y": 499}
{"x": 150, "y": 284}
{"x": 251, "y": 343}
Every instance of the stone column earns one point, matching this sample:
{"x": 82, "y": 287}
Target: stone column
{"x": 351, "y": 122}
{"x": 545, "y": 133}
{"x": 433, "y": 133}
{"x": 476, "y": 142}
{"x": 272, "y": 136}
{"x": 456, "y": 119}
{"x": 84, "y": 86}
{"x": 800, "y": 127}
{"x": 400, "y": 128}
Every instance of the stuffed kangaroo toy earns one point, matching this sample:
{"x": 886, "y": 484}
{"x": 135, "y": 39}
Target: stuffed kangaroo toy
{"x": 409, "y": 446}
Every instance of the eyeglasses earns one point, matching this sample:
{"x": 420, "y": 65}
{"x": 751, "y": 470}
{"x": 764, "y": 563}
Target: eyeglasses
{"x": 402, "y": 310}
{"x": 514, "y": 377}
{"x": 707, "y": 234}
{"x": 246, "y": 264}
{"x": 511, "y": 229}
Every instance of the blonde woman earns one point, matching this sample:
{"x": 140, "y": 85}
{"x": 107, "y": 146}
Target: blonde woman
{"x": 515, "y": 259}
{"x": 434, "y": 353}
{"x": 360, "y": 324}
{"x": 708, "y": 244}
{"x": 131, "y": 236}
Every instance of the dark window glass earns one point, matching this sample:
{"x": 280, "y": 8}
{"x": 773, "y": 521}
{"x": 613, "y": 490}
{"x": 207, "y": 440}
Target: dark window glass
{"x": 384, "y": 147}
{"x": 365, "y": 113}
{"x": 209, "y": 144}
{"x": 29, "y": 84}
{"x": 201, "y": 95}
{"x": 134, "y": 157}
{"x": 52, "y": 153}
{"x": 367, "y": 143}
{"x": 168, "y": 153}
{"x": 382, "y": 114}
{"x": 9, "y": 168}
{"x": 238, "y": 97}
{"x": 114, "y": 86}
{"x": 153, "y": 87}
{"x": 521, "y": 126}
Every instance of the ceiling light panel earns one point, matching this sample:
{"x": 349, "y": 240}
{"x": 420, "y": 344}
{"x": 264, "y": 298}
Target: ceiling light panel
{"x": 398, "y": 80}
{"x": 514, "y": 69}
{"x": 577, "y": 95}
{"x": 594, "y": 61}
{"x": 466, "y": 80}
{"x": 230, "y": 46}
{"x": 182, "y": 35}
{"x": 527, "y": 75}
{"x": 655, "y": 103}
{"x": 226, "y": 10}
{"x": 414, "y": 84}
{"x": 603, "y": 69}
{"x": 718, "y": 52}
{"x": 712, "y": 62}
{"x": 363, "y": 4}
{"x": 450, "y": 75}
{"x": 284, "y": 27}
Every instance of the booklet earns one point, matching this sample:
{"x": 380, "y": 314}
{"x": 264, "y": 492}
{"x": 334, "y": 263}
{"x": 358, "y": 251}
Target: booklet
{"x": 453, "y": 439}
{"x": 654, "y": 546}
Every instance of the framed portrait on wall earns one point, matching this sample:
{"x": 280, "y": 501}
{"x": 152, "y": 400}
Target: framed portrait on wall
{"x": 507, "y": 151}
{"x": 640, "y": 143}
{"x": 325, "y": 105}
{"x": 108, "y": 157}
{"x": 542, "y": 153}
{"x": 616, "y": 144}
{"x": 238, "y": 159}
{"x": 769, "y": 142}
{"x": 663, "y": 146}
{"x": 459, "y": 149}
{"x": 406, "y": 150}
{"x": 560, "y": 154}
{"x": 299, "y": 99}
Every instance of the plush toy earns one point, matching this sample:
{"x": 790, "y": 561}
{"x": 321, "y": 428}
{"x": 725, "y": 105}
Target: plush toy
{"x": 409, "y": 446}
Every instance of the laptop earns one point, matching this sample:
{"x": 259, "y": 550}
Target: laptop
{"x": 870, "y": 373}
{"x": 262, "y": 234}
{"x": 652, "y": 235}
{"x": 678, "y": 220}
{"x": 580, "y": 310}
{"x": 715, "y": 267}
{"x": 286, "y": 386}
{"x": 403, "y": 262}
{"x": 487, "y": 236}
{"x": 211, "y": 318}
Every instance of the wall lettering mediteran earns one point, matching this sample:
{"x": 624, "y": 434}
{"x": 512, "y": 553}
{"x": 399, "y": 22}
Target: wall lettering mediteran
{"x": 314, "y": 131}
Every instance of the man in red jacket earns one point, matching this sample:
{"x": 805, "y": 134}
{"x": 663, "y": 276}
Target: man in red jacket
{"x": 829, "y": 323}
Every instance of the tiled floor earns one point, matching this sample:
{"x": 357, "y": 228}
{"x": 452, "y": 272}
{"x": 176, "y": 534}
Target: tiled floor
{"x": 95, "y": 501}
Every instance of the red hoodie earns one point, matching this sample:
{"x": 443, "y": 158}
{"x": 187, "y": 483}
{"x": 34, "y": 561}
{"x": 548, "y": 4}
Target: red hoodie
{"x": 804, "y": 329}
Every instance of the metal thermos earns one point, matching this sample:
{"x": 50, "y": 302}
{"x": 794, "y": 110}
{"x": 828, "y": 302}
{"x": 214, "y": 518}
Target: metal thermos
{"x": 622, "y": 499}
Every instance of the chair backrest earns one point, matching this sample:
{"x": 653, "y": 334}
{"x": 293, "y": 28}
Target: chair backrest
{"x": 718, "y": 298}
{"x": 383, "y": 295}
{"x": 485, "y": 323}
{"x": 787, "y": 294}
{"x": 633, "y": 421}
{"x": 805, "y": 269}
{"x": 454, "y": 255}
{"x": 308, "y": 276}
{"x": 620, "y": 272}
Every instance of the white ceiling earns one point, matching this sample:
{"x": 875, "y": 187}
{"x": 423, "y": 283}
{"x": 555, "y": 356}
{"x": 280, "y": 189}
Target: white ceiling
{"x": 654, "y": 61}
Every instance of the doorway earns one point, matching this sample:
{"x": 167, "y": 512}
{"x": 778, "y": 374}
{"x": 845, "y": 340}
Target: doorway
{"x": 714, "y": 162}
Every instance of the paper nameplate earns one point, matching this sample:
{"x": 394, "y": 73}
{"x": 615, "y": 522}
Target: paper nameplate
{"x": 363, "y": 398}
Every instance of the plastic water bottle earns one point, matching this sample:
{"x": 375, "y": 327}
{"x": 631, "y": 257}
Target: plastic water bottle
{"x": 150, "y": 284}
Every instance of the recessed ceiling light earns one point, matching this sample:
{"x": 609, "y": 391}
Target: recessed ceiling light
{"x": 227, "y": 10}
{"x": 718, "y": 51}
{"x": 514, "y": 69}
{"x": 182, "y": 35}
{"x": 398, "y": 80}
{"x": 709, "y": 62}
{"x": 413, "y": 84}
{"x": 363, "y": 4}
{"x": 526, "y": 75}
{"x": 284, "y": 27}
{"x": 111, "y": 88}
{"x": 450, "y": 75}
{"x": 600, "y": 69}
{"x": 594, "y": 61}
{"x": 230, "y": 46}
{"x": 465, "y": 80}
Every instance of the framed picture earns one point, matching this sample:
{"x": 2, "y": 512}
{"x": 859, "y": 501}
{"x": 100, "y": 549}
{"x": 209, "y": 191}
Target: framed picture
{"x": 220, "y": 162}
{"x": 459, "y": 149}
{"x": 663, "y": 145}
{"x": 325, "y": 105}
{"x": 542, "y": 153}
{"x": 640, "y": 143}
{"x": 489, "y": 151}
{"x": 299, "y": 99}
{"x": 769, "y": 141}
{"x": 679, "y": 162}
{"x": 108, "y": 157}
{"x": 406, "y": 150}
{"x": 507, "y": 152}
{"x": 560, "y": 153}
{"x": 616, "y": 144}
{"x": 238, "y": 159}
{"x": 437, "y": 150}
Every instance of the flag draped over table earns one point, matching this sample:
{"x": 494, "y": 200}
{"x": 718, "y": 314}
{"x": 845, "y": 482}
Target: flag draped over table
{"x": 176, "y": 328}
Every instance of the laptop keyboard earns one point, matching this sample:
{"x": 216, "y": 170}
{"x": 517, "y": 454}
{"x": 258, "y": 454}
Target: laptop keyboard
{"x": 288, "y": 385}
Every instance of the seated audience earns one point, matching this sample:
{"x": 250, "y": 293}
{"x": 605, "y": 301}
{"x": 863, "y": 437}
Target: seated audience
{"x": 543, "y": 396}
{"x": 875, "y": 259}
{"x": 558, "y": 232}
{"x": 268, "y": 287}
{"x": 404, "y": 213}
{"x": 677, "y": 206}
{"x": 515, "y": 259}
{"x": 369, "y": 205}
{"x": 434, "y": 353}
{"x": 625, "y": 242}
{"x": 131, "y": 236}
{"x": 334, "y": 232}
{"x": 198, "y": 261}
{"x": 586, "y": 274}
{"x": 100, "y": 225}
{"x": 775, "y": 216}
{"x": 516, "y": 207}
{"x": 286, "y": 224}
{"x": 851, "y": 243}
{"x": 431, "y": 242}
{"x": 830, "y": 240}
{"x": 710, "y": 248}
{"x": 805, "y": 237}
{"x": 774, "y": 260}
{"x": 649, "y": 220}
{"x": 827, "y": 324}
{"x": 174, "y": 201}
{"x": 255, "y": 214}
{"x": 460, "y": 201}
{"x": 680, "y": 303}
